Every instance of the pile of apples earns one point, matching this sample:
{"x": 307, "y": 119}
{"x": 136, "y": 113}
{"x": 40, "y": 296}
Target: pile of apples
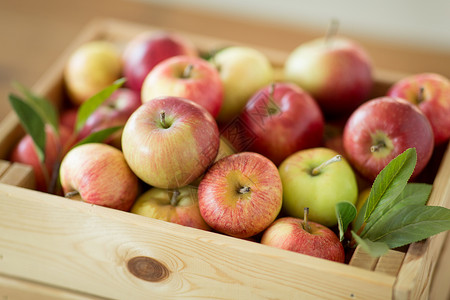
{"x": 218, "y": 144}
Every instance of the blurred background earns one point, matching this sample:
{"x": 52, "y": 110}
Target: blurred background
{"x": 414, "y": 23}
{"x": 407, "y": 36}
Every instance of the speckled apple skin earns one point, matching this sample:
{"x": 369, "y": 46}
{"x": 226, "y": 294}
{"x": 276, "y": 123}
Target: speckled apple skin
{"x": 288, "y": 233}
{"x": 101, "y": 175}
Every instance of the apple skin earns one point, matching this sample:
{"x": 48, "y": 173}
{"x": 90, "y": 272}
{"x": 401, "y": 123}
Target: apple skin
{"x": 394, "y": 122}
{"x": 101, "y": 175}
{"x": 55, "y": 148}
{"x": 115, "y": 111}
{"x": 434, "y": 102}
{"x": 156, "y": 203}
{"x": 283, "y": 119}
{"x": 202, "y": 85}
{"x": 147, "y": 49}
{"x": 336, "y": 72}
{"x": 243, "y": 71}
{"x": 175, "y": 156}
{"x": 288, "y": 233}
{"x": 335, "y": 183}
{"x": 91, "y": 68}
{"x": 236, "y": 212}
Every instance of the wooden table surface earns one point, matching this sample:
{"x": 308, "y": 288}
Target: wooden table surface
{"x": 34, "y": 33}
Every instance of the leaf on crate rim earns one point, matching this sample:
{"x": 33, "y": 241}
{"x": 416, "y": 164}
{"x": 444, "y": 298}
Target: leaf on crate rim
{"x": 374, "y": 249}
{"x": 409, "y": 224}
{"x": 90, "y": 105}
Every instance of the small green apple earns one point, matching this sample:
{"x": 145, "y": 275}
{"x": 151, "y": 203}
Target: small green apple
{"x": 317, "y": 178}
{"x": 243, "y": 71}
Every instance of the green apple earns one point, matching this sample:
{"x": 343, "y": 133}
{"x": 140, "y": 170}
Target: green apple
{"x": 243, "y": 71}
{"x": 317, "y": 178}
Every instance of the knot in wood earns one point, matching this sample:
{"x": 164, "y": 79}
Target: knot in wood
{"x": 148, "y": 269}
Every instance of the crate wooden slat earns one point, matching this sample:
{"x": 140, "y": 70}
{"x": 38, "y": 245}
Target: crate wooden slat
{"x": 72, "y": 246}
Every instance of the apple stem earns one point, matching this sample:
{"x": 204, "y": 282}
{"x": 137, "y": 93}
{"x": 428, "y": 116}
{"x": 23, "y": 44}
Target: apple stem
{"x": 331, "y": 32}
{"x": 162, "y": 118}
{"x": 420, "y": 95}
{"x": 71, "y": 194}
{"x": 305, "y": 220}
{"x": 377, "y": 147}
{"x": 174, "y": 200}
{"x": 187, "y": 71}
{"x": 272, "y": 107}
{"x": 244, "y": 190}
{"x": 319, "y": 168}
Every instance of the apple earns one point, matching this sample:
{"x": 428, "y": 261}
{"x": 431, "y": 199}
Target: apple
{"x": 100, "y": 175}
{"x": 55, "y": 148}
{"x": 115, "y": 111}
{"x": 241, "y": 194}
{"x": 178, "y": 206}
{"x": 336, "y": 71}
{"x": 185, "y": 76}
{"x": 284, "y": 119}
{"x": 170, "y": 141}
{"x": 431, "y": 93}
{"x": 91, "y": 67}
{"x": 317, "y": 178}
{"x": 243, "y": 71}
{"x": 381, "y": 129}
{"x": 149, "y": 48}
{"x": 309, "y": 238}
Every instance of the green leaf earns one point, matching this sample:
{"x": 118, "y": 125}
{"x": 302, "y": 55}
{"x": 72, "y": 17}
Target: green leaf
{"x": 412, "y": 194}
{"x": 90, "y": 105}
{"x": 375, "y": 249}
{"x": 345, "y": 213}
{"x": 31, "y": 122}
{"x": 46, "y": 109}
{"x": 99, "y": 136}
{"x": 389, "y": 183}
{"x": 409, "y": 224}
{"x": 359, "y": 221}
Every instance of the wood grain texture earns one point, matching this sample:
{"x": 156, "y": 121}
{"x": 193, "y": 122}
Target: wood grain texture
{"x": 83, "y": 247}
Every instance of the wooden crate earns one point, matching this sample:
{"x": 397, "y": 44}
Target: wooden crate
{"x": 55, "y": 248}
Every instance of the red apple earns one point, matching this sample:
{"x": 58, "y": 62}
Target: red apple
{"x": 241, "y": 194}
{"x": 55, "y": 148}
{"x": 170, "y": 141}
{"x": 147, "y": 49}
{"x": 115, "y": 111}
{"x": 186, "y": 76}
{"x": 101, "y": 176}
{"x": 381, "y": 129}
{"x": 178, "y": 206}
{"x": 283, "y": 119}
{"x": 431, "y": 93}
{"x": 336, "y": 71}
{"x": 308, "y": 238}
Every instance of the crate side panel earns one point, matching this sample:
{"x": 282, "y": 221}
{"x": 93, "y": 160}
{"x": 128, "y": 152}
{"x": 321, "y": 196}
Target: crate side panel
{"x": 87, "y": 248}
